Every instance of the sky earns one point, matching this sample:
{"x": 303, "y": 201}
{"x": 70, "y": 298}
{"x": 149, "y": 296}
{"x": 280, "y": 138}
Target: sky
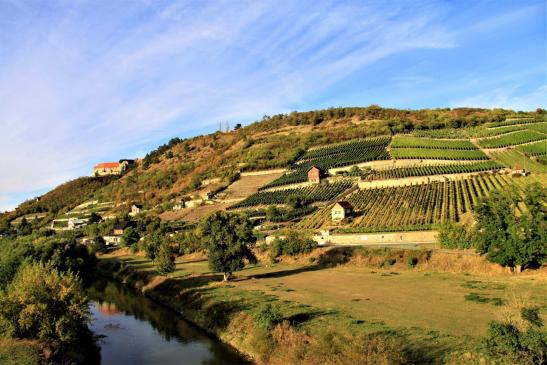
{"x": 83, "y": 82}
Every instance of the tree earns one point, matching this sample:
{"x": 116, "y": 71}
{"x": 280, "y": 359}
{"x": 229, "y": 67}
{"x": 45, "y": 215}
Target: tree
{"x": 94, "y": 218}
{"x": 42, "y": 303}
{"x": 165, "y": 259}
{"x": 25, "y": 227}
{"x": 4, "y": 225}
{"x": 510, "y": 240}
{"x": 228, "y": 238}
{"x": 130, "y": 236}
{"x": 237, "y": 126}
{"x": 294, "y": 201}
{"x": 152, "y": 245}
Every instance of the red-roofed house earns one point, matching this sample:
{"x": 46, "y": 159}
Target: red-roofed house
{"x": 109, "y": 168}
{"x": 518, "y": 170}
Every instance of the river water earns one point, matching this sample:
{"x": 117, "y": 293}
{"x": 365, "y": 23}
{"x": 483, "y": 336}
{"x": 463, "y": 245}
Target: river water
{"x": 138, "y": 331}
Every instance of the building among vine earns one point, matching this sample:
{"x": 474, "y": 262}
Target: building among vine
{"x": 341, "y": 210}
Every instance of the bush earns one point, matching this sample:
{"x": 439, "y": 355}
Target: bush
{"x": 452, "y": 235}
{"x": 412, "y": 261}
{"x": 188, "y": 242}
{"x": 293, "y": 244}
{"x": 268, "y": 316}
{"x": 507, "y": 342}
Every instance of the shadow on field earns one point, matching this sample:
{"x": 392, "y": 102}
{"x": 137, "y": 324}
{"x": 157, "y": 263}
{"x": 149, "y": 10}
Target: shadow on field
{"x": 282, "y": 273}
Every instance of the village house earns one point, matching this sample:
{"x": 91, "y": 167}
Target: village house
{"x": 315, "y": 174}
{"x": 518, "y": 170}
{"x": 136, "y": 209}
{"x": 111, "y": 240}
{"x": 121, "y": 227}
{"x": 341, "y": 210}
{"x": 75, "y": 223}
{"x": 113, "y": 168}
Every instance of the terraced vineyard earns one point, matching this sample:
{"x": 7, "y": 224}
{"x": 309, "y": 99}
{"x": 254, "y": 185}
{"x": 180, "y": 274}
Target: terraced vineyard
{"x": 402, "y": 172}
{"x": 332, "y": 156}
{"x": 415, "y": 142}
{"x": 482, "y": 131}
{"x": 512, "y": 157}
{"x": 448, "y": 133}
{"x": 539, "y": 127}
{"x": 512, "y": 139}
{"x": 309, "y": 194}
{"x": 513, "y": 121}
{"x": 352, "y": 148}
{"x": 437, "y": 154}
{"x": 413, "y": 206}
{"x": 534, "y": 149}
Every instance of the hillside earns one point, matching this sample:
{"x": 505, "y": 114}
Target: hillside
{"x": 387, "y": 150}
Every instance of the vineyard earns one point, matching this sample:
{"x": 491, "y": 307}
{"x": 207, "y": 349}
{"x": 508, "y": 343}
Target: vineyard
{"x": 332, "y": 156}
{"x": 513, "y": 121}
{"x": 535, "y": 149}
{"x": 411, "y": 206}
{"x": 538, "y": 127}
{"x": 481, "y": 132}
{"x": 512, "y": 139}
{"x": 510, "y": 158}
{"x": 448, "y": 133}
{"x": 437, "y": 154}
{"x": 309, "y": 194}
{"x": 402, "y": 172}
{"x": 415, "y": 142}
{"x": 345, "y": 148}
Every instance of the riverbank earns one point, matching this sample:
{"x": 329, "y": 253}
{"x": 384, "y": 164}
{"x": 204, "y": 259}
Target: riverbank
{"x": 363, "y": 311}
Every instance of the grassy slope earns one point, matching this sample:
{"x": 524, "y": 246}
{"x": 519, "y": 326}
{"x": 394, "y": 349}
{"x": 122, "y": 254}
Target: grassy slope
{"x": 19, "y": 352}
{"x": 351, "y": 300}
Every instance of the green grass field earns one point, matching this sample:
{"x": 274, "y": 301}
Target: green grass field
{"x": 448, "y": 311}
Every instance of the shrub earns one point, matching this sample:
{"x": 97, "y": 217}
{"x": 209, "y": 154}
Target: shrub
{"x": 268, "y": 316}
{"x": 452, "y": 235}
{"x": 390, "y": 262}
{"x": 412, "y": 261}
{"x": 293, "y": 244}
{"x": 506, "y": 341}
{"x": 336, "y": 256}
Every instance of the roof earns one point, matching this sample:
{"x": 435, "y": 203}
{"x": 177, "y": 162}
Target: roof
{"x": 122, "y": 225}
{"x": 518, "y": 167}
{"x": 344, "y": 204}
{"x": 138, "y": 206}
{"x": 107, "y": 165}
{"x": 315, "y": 167}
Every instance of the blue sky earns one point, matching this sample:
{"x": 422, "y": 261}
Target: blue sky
{"x": 88, "y": 81}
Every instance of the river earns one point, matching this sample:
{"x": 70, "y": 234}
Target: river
{"x": 135, "y": 330}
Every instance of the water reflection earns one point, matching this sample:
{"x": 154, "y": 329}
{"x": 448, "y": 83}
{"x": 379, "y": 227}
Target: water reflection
{"x": 139, "y": 331}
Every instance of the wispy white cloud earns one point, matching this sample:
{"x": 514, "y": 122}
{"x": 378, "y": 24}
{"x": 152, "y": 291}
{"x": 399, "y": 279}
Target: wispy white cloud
{"x": 91, "y": 80}
{"x": 509, "y": 98}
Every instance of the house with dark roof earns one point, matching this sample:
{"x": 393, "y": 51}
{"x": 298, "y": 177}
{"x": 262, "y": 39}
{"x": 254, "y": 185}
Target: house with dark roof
{"x": 341, "y": 210}
{"x": 120, "y": 227}
{"x": 315, "y": 174}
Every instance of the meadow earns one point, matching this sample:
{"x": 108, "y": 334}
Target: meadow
{"x": 442, "y": 306}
